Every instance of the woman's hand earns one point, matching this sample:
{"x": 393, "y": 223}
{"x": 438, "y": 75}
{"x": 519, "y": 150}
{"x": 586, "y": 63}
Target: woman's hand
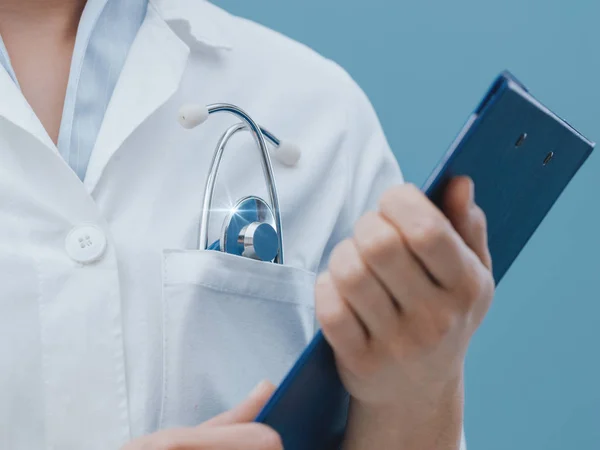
{"x": 399, "y": 304}
{"x": 232, "y": 430}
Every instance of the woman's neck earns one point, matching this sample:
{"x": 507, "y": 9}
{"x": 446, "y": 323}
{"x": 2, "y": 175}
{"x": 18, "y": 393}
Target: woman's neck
{"x": 59, "y": 17}
{"x": 39, "y": 36}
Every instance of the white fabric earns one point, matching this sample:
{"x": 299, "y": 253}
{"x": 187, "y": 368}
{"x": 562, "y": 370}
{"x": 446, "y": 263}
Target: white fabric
{"x": 157, "y": 333}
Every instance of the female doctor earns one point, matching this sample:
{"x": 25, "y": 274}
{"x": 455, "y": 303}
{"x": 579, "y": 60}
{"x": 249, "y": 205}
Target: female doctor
{"x": 118, "y": 331}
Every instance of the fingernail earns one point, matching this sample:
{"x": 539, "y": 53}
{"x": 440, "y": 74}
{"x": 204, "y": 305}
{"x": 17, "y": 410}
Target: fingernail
{"x": 258, "y": 389}
{"x": 471, "y": 190}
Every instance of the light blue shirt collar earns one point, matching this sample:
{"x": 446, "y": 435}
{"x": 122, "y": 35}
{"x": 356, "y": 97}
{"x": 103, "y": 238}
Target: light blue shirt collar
{"x": 5, "y": 61}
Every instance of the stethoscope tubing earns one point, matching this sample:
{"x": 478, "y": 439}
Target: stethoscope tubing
{"x": 260, "y": 135}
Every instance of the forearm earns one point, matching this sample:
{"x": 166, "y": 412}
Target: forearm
{"x": 437, "y": 426}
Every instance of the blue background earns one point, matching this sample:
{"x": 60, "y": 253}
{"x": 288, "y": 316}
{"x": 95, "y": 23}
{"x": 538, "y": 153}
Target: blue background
{"x": 533, "y": 372}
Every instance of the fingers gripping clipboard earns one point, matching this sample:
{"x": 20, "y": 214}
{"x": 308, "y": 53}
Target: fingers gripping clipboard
{"x": 521, "y": 156}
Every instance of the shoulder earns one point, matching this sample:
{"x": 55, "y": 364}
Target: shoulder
{"x": 265, "y": 58}
{"x": 269, "y": 46}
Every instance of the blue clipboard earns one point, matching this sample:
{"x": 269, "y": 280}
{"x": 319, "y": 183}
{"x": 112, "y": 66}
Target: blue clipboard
{"x": 521, "y": 157}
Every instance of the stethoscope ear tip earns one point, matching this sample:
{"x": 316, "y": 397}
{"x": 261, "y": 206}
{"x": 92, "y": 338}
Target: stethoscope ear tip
{"x": 287, "y": 153}
{"x": 190, "y": 116}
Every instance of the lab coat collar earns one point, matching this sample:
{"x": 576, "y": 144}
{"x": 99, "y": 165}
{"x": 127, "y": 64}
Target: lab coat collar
{"x": 151, "y": 75}
{"x": 197, "y": 22}
{"x": 154, "y": 68}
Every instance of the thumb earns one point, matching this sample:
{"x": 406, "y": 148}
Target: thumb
{"x": 467, "y": 218}
{"x": 247, "y": 410}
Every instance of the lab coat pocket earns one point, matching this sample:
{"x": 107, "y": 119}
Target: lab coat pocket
{"x": 229, "y": 322}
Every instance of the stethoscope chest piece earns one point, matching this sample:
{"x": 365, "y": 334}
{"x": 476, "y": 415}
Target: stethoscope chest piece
{"x": 249, "y": 230}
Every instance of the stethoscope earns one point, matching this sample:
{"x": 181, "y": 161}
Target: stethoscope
{"x": 252, "y": 227}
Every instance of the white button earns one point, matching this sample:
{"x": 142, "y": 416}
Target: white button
{"x": 86, "y": 244}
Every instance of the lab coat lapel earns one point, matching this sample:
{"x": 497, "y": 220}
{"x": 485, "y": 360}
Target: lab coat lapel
{"x": 151, "y": 75}
{"x": 198, "y": 22}
{"x": 15, "y": 109}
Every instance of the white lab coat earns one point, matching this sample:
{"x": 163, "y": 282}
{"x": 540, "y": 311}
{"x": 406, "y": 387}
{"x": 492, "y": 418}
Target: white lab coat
{"x": 113, "y": 323}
